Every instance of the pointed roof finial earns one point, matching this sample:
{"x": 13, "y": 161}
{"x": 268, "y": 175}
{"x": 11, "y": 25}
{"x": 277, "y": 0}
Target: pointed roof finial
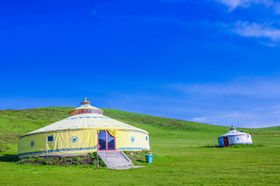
{"x": 232, "y": 127}
{"x": 85, "y": 102}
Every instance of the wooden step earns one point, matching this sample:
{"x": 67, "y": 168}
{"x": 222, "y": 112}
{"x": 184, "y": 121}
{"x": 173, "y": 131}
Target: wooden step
{"x": 115, "y": 160}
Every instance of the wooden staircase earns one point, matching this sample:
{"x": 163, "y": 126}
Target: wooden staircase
{"x": 115, "y": 160}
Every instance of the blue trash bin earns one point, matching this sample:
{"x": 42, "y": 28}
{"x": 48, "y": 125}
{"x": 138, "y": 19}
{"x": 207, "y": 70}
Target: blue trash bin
{"x": 149, "y": 158}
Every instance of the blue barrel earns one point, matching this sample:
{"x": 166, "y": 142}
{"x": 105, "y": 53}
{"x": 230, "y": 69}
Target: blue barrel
{"x": 149, "y": 158}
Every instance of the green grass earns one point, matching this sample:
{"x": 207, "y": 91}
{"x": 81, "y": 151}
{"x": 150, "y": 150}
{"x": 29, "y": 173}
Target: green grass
{"x": 184, "y": 153}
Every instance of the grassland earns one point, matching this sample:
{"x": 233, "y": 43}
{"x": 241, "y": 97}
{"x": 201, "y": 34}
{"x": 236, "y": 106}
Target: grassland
{"x": 183, "y": 154}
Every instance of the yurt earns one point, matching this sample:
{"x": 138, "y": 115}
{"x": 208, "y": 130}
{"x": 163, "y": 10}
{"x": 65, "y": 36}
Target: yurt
{"x": 86, "y": 130}
{"x": 234, "y": 137}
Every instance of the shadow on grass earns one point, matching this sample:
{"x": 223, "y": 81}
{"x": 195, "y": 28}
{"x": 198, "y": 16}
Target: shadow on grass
{"x": 142, "y": 161}
{"x": 210, "y": 146}
{"x": 233, "y": 146}
{"x": 8, "y": 158}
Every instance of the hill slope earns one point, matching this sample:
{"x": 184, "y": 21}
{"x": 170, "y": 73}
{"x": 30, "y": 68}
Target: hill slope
{"x": 183, "y": 154}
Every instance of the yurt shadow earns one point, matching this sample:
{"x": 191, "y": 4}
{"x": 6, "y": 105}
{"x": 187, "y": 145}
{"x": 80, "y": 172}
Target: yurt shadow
{"x": 141, "y": 161}
{"x": 233, "y": 146}
{"x": 8, "y": 158}
{"x": 210, "y": 146}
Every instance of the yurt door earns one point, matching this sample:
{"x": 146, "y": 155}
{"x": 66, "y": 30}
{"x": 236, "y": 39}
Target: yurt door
{"x": 226, "y": 143}
{"x": 102, "y": 140}
{"x": 111, "y": 141}
{"x": 106, "y": 141}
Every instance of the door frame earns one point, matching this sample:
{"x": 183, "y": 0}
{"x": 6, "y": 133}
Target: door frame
{"x": 226, "y": 141}
{"x": 106, "y": 141}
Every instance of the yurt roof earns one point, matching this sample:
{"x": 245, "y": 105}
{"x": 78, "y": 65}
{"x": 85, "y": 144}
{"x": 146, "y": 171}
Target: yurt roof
{"x": 85, "y": 120}
{"x": 87, "y": 106}
{"x": 234, "y": 133}
{"x": 88, "y": 120}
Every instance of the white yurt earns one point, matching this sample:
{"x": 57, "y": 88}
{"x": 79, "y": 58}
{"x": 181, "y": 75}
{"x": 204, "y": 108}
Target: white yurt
{"x": 86, "y": 130}
{"x": 234, "y": 137}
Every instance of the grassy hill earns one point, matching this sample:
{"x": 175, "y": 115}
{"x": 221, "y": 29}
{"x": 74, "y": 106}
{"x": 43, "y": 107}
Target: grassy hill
{"x": 183, "y": 154}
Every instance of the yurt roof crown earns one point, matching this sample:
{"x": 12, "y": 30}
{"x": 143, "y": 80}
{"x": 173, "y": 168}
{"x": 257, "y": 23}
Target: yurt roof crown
{"x": 233, "y": 132}
{"x": 85, "y": 101}
{"x": 86, "y": 108}
{"x": 232, "y": 128}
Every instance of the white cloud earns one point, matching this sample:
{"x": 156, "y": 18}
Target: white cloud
{"x": 269, "y": 33}
{"x": 255, "y": 87}
{"x": 264, "y": 116}
{"x": 250, "y": 118}
{"x": 256, "y": 30}
{"x": 245, "y": 102}
{"x": 233, "y": 4}
{"x": 200, "y": 119}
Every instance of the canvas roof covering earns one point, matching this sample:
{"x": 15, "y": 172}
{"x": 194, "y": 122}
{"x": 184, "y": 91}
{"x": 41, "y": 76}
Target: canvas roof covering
{"x": 89, "y": 120}
{"x": 234, "y": 133}
{"x": 87, "y": 106}
{"x": 85, "y": 121}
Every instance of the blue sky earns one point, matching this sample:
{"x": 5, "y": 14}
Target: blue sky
{"x": 212, "y": 61}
